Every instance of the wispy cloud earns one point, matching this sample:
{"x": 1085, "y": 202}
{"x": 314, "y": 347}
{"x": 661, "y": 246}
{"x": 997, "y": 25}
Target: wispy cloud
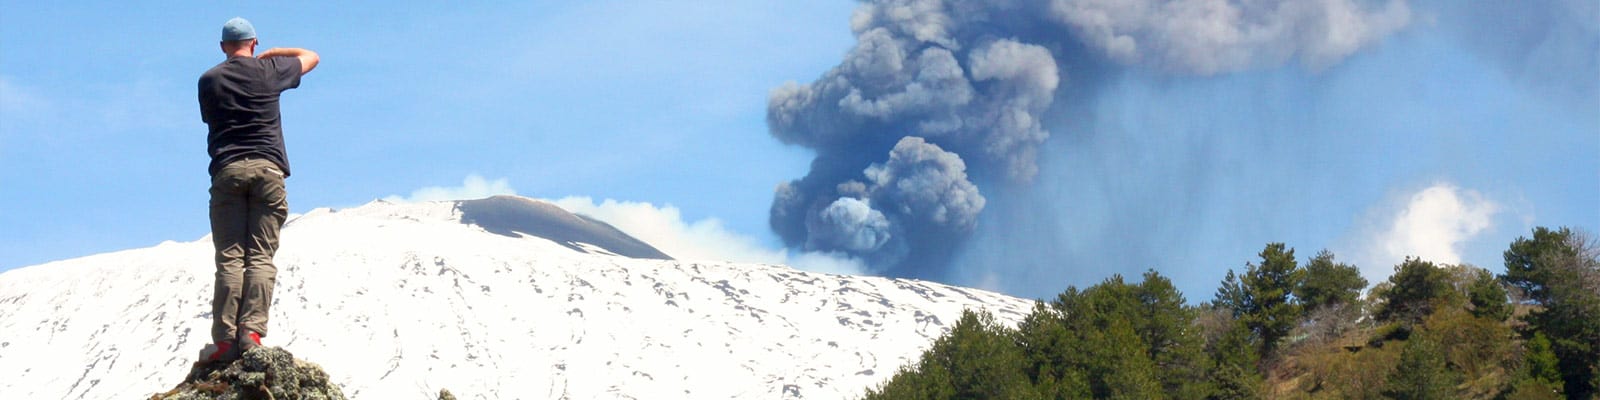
{"x": 473, "y": 187}
{"x": 16, "y": 99}
{"x": 18, "y": 102}
{"x": 160, "y": 103}
{"x": 112, "y": 112}
{"x": 705, "y": 239}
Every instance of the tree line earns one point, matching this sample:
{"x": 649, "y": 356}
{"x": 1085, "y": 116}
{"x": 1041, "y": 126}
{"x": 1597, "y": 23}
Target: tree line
{"x": 1283, "y": 329}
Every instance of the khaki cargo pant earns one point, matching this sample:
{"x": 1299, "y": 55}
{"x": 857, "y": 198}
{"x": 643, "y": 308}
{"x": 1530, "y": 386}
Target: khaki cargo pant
{"x": 248, "y": 206}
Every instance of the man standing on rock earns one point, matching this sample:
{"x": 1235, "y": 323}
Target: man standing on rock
{"x": 239, "y": 103}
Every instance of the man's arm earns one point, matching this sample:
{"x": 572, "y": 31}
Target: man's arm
{"x": 308, "y": 58}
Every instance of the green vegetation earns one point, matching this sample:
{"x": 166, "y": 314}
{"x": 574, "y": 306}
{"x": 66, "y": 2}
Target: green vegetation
{"x": 1329, "y": 284}
{"x": 1284, "y": 330}
{"x": 1558, "y": 272}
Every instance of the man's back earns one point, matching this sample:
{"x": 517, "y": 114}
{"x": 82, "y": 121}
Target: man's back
{"x": 239, "y": 102}
{"x": 249, "y": 202}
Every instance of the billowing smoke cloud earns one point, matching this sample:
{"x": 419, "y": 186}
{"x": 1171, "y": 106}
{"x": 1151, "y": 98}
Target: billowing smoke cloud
{"x": 850, "y": 224}
{"x": 1212, "y": 36}
{"x": 934, "y": 88}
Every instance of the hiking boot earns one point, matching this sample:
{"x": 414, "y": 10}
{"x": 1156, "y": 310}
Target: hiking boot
{"x": 249, "y": 340}
{"x": 220, "y": 351}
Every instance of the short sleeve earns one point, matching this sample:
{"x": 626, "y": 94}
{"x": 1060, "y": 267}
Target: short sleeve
{"x": 284, "y": 73}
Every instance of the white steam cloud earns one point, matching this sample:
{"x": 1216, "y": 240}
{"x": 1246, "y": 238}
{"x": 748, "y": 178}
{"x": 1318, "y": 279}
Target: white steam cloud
{"x": 473, "y": 187}
{"x": 1432, "y": 224}
{"x": 707, "y": 239}
{"x": 662, "y": 227}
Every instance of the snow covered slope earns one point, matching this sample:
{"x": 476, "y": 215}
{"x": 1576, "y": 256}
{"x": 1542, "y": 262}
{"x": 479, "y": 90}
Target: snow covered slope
{"x": 400, "y": 300}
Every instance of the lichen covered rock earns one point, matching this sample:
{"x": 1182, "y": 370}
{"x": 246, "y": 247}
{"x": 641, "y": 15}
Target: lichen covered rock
{"x": 263, "y": 373}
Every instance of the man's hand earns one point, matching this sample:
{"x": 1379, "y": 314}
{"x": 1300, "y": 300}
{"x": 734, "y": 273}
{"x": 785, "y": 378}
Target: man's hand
{"x": 308, "y": 58}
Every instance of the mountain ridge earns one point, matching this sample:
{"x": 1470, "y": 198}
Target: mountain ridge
{"x": 404, "y": 299}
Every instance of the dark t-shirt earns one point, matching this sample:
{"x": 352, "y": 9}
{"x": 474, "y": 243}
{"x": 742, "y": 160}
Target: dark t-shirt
{"x": 239, "y": 102}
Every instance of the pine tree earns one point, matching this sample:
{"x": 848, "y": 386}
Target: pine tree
{"x": 1167, "y": 327}
{"x": 977, "y": 360}
{"x": 1488, "y": 298}
{"x": 1328, "y": 283}
{"x": 1268, "y": 309}
{"x": 1121, "y": 369}
{"x": 1051, "y": 349}
{"x": 1559, "y": 270}
{"x": 1113, "y": 357}
{"x": 1422, "y": 373}
{"x": 1416, "y": 288}
{"x": 1230, "y": 295}
{"x": 1533, "y": 265}
{"x": 1134, "y": 340}
{"x": 1233, "y": 360}
{"x": 984, "y": 361}
{"x": 1540, "y": 362}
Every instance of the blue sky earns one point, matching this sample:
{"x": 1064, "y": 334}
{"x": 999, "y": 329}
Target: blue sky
{"x": 102, "y": 147}
{"x": 1432, "y": 140}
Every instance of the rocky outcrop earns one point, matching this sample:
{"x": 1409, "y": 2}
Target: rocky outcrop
{"x": 264, "y": 373}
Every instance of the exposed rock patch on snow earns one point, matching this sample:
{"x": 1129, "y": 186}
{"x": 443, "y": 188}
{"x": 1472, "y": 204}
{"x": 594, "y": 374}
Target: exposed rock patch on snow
{"x": 512, "y": 215}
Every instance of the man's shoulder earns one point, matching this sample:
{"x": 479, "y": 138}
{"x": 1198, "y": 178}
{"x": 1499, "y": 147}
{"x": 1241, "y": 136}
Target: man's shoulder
{"x": 216, "y": 70}
{"x": 234, "y": 63}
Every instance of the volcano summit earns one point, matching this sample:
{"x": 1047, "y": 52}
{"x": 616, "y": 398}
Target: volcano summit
{"x": 504, "y": 297}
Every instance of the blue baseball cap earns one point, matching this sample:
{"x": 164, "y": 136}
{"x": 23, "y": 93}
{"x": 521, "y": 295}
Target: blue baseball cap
{"x": 237, "y": 29}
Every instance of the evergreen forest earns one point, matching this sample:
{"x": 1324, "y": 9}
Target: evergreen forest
{"x": 1292, "y": 328}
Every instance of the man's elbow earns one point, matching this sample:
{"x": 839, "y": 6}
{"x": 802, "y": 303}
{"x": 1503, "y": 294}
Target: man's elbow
{"x": 308, "y": 61}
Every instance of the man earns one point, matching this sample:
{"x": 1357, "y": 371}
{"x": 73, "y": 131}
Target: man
{"x": 239, "y": 103}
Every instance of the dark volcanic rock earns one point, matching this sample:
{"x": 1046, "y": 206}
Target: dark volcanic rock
{"x": 512, "y": 215}
{"x": 263, "y": 373}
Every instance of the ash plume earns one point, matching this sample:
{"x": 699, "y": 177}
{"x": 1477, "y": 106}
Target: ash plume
{"x": 942, "y": 101}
